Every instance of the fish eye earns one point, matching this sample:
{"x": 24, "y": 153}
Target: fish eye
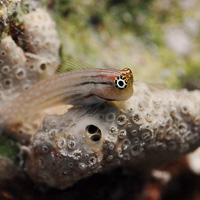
{"x": 120, "y": 83}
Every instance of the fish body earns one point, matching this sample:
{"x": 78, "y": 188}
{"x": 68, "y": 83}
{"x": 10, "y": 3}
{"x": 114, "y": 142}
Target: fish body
{"x": 81, "y": 87}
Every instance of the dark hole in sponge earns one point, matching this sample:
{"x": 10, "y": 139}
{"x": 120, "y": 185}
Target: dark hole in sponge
{"x": 95, "y": 138}
{"x": 92, "y": 129}
{"x": 95, "y": 132}
{"x": 43, "y": 66}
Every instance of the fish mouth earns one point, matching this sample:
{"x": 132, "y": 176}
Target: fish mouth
{"x": 106, "y": 98}
{"x": 99, "y": 97}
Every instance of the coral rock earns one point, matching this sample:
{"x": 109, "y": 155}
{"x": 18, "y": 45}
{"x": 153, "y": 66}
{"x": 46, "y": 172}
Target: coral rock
{"x": 154, "y": 126}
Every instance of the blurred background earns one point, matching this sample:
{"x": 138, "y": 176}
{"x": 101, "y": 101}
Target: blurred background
{"x": 159, "y": 40}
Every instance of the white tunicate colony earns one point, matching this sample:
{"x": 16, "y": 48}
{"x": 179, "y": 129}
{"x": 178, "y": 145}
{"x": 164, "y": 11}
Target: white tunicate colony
{"x": 42, "y": 38}
{"x": 22, "y": 63}
{"x": 22, "y": 66}
{"x": 153, "y": 126}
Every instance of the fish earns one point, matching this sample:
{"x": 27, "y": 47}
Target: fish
{"x": 78, "y": 87}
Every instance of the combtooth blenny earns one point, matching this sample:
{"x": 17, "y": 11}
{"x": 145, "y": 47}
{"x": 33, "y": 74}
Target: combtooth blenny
{"x": 81, "y": 87}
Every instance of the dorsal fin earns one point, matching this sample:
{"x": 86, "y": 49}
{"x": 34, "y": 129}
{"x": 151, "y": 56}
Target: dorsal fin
{"x": 69, "y": 64}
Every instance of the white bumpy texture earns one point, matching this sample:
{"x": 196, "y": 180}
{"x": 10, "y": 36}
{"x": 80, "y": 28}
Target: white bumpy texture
{"x": 20, "y": 69}
{"x": 152, "y": 127}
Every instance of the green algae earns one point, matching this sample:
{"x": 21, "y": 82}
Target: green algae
{"x": 126, "y": 33}
{"x": 9, "y": 148}
{"x": 131, "y": 32}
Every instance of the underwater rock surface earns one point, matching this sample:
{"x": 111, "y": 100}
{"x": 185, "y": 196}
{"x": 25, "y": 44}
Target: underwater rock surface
{"x": 154, "y": 126}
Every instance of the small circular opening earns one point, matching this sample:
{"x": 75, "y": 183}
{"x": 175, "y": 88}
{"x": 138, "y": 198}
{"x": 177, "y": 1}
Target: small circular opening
{"x": 8, "y": 82}
{"x": 136, "y": 117}
{"x": 3, "y": 53}
{"x": 95, "y": 138}
{"x": 110, "y": 117}
{"x": 43, "y": 66}
{"x": 31, "y": 67}
{"x": 94, "y": 133}
{"x": 92, "y": 129}
{"x": 20, "y": 73}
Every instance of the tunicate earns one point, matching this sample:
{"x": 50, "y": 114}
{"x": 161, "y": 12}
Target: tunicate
{"x": 7, "y": 82}
{"x": 20, "y": 73}
{"x": 126, "y": 144}
{"x": 82, "y": 166}
{"x": 45, "y": 149}
{"x": 110, "y": 117}
{"x": 136, "y": 118}
{"x": 134, "y": 133}
{"x": 148, "y": 117}
{"x": 71, "y": 144}
{"x": 52, "y": 133}
{"x": 122, "y": 119}
{"x": 135, "y": 150}
{"x": 140, "y": 106}
{"x": 147, "y": 135}
{"x": 92, "y": 160}
{"x": 182, "y": 128}
{"x": 77, "y": 155}
{"x": 5, "y": 69}
{"x": 61, "y": 143}
{"x": 122, "y": 134}
{"x": 113, "y": 131}
{"x": 135, "y": 140}
{"x": 41, "y": 163}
